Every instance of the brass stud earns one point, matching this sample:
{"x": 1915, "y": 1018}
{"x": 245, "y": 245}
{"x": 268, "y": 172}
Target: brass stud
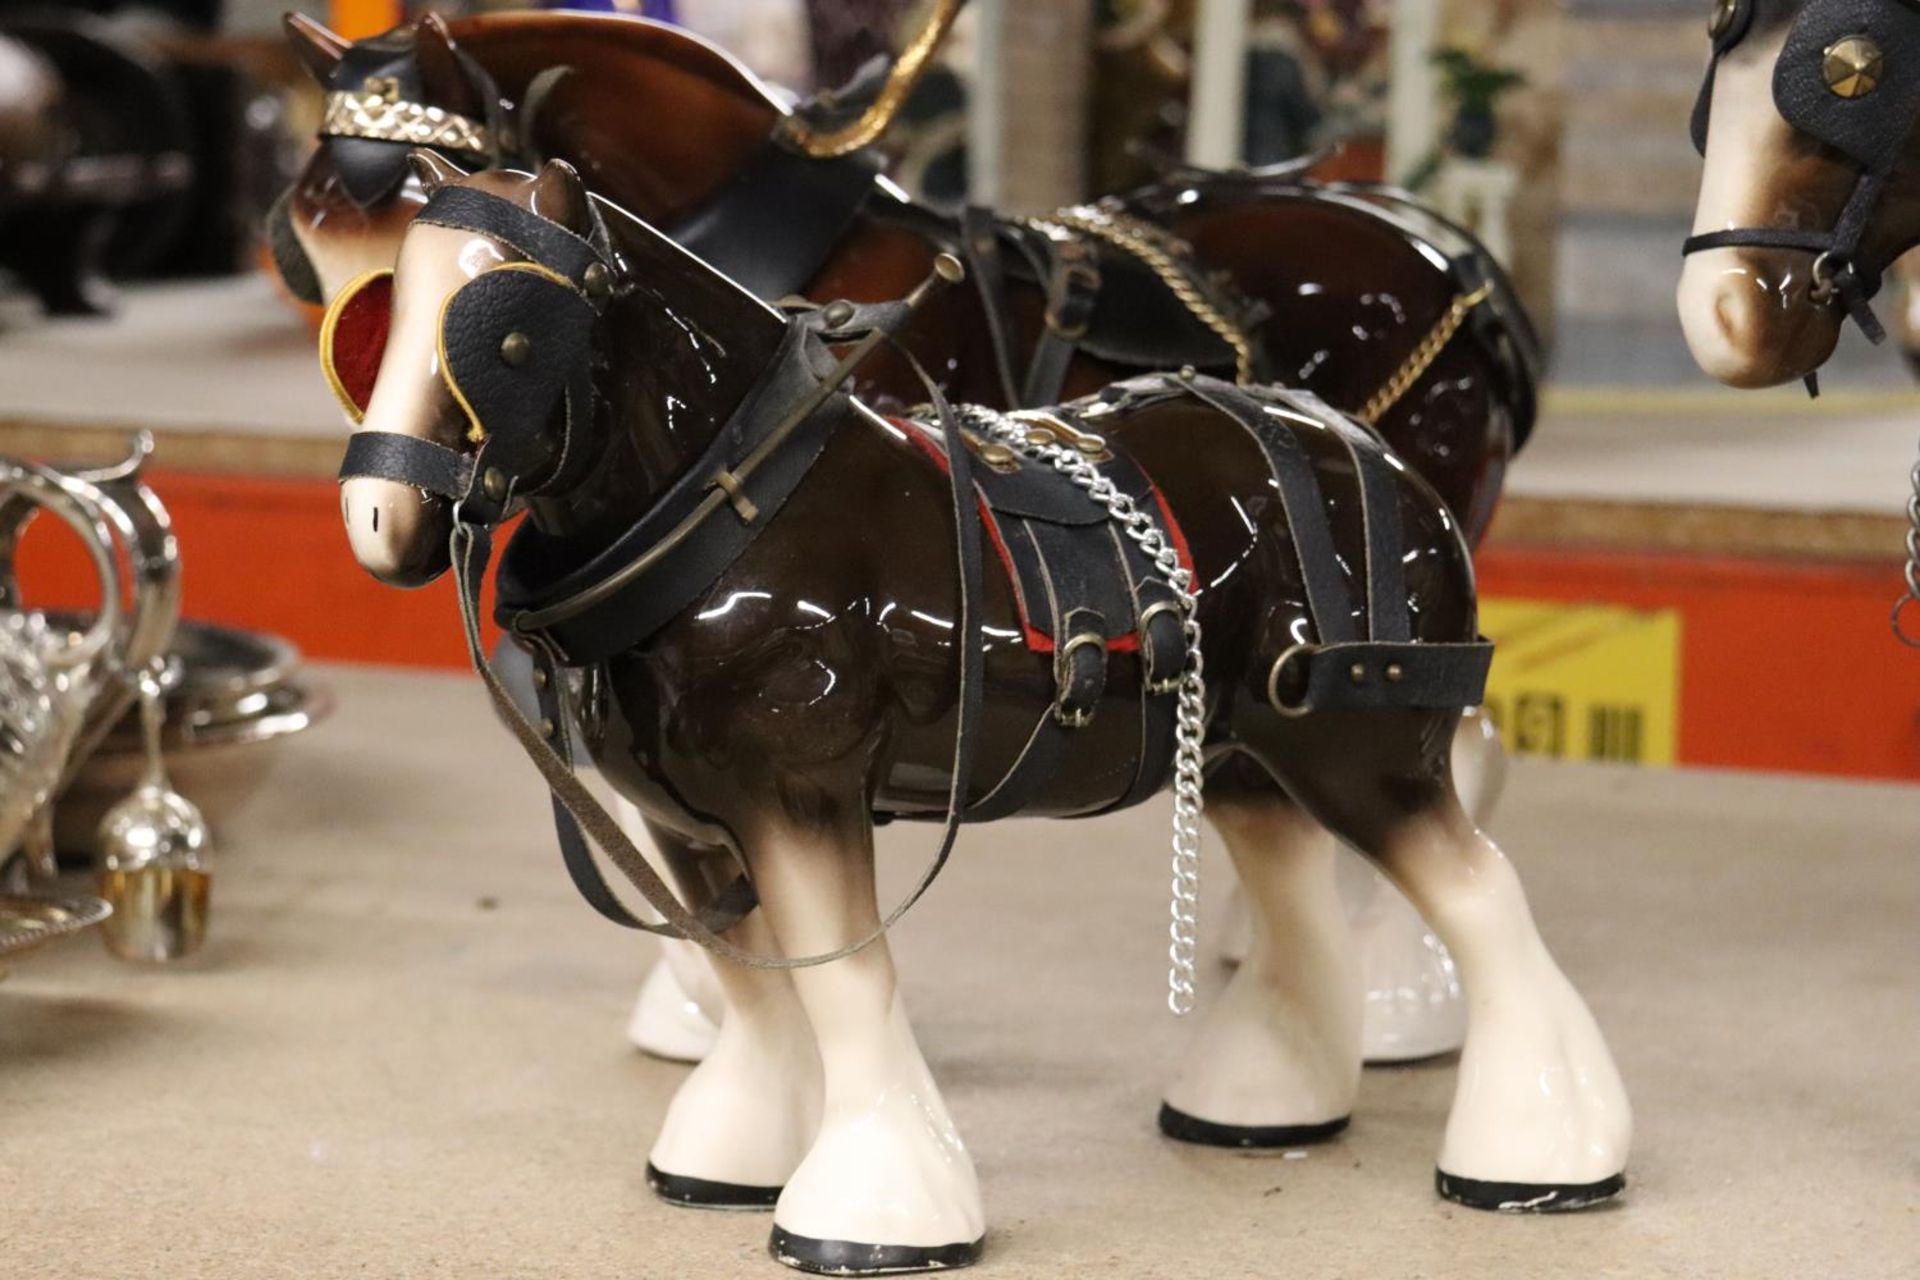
{"x": 1357, "y": 673}
{"x": 1039, "y": 439}
{"x": 539, "y": 678}
{"x": 999, "y": 456}
{"x": 1188, "y": 373}
{"x": 515, "y": 348}
{"x": 949, "y": 268}
{"x": 598, "y": 281}
{"x": 836, "y": 314}
{"x": 1722, "y": 20}
{"x": 493, "y": 483}
{"x": 1090, "y": 446}
{"x": 1395, "y": 673}
{"x": 1853, "y": 67}
{"x": 546, "y": 729}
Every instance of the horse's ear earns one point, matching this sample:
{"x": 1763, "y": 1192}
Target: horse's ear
{"x": 318, "y": 49}
{"x": 443, "y": 77}
{"x": 559, "y": 195}
{"x": 433, "y": 169}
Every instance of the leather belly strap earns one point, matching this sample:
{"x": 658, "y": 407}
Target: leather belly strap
{"x": 1084, "y": 592}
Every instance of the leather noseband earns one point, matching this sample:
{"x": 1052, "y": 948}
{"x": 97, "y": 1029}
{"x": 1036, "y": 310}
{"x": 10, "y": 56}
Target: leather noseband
{"x": 1866, "y": 119}
{"x": 516, "y": 347}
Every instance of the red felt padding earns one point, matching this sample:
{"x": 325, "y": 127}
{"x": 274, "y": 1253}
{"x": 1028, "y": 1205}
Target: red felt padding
{"x": 358, "y": 338}
{"x": 1036, "y": 639}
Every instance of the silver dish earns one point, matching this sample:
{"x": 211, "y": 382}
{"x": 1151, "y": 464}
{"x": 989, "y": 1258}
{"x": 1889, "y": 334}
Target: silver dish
{"x": 240, "y": 694}
{"x": 27, "y": 922}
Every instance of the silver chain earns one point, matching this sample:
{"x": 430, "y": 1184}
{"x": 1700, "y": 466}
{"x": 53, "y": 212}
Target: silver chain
{"x": 1912, "y": 596}
{"x": 1190, "y": 716}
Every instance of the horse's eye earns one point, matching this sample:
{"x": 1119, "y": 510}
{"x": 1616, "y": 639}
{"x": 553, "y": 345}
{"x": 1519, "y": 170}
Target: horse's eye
{"x": 1721, "y": 21}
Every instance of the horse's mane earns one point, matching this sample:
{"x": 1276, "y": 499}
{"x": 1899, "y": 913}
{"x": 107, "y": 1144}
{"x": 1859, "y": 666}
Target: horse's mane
{"x": 654, "y": 118}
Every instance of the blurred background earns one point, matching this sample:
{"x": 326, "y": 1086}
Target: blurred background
{"x": 1659, "y": 538}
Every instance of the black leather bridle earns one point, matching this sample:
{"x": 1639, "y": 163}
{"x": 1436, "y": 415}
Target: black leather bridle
{"x": 1867, "y": 117}
{"x": 512, "y": 392}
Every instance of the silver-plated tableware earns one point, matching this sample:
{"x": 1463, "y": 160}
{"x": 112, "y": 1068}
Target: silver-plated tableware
{"x": 155, "y": 852}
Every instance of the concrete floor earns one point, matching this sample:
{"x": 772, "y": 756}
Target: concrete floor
{"x": 402, "y": 1054}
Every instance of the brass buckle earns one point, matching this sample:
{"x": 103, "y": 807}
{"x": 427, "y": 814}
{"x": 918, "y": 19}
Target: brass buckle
{"x": 1293, "y": 711}
{"x": 1063, "y": 676}
{"x": 1147, "y": 615}
{"x": 1069, "y": 275}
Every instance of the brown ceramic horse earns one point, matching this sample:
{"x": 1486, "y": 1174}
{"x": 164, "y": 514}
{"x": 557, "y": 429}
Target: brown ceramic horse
{"x": 1758, "y": 315}
{"x": 816, "y": 679}
{"x": 658, "y": 121}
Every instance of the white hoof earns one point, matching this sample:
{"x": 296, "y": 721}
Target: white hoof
{"x": 887, "y": 1173}
{"x": 739, "y": 1125}
{"x": 1540, "y": 1120}
{"x": 667, "y": 1022}
{"x": 1414, "y": 1004}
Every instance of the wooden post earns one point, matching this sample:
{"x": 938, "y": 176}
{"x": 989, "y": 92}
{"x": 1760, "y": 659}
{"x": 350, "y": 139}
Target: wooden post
{"x": 1413, "y": 100}
{"x": 1217, "y": 107}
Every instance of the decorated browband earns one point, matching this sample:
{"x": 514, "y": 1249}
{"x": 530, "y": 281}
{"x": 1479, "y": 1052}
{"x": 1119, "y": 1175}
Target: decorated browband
{"x": 378, "y": 112}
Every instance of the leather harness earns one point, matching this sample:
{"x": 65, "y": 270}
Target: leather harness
{"x": 617, "y": 600}
{"x": 1871, "y": 129}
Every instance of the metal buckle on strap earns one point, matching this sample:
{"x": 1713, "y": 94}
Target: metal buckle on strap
{"x": 1069, "y": 716}
{"x": 1171, "y": 683}
{"x": 1075, "y": 280}
{"x": 1291, "y": 710}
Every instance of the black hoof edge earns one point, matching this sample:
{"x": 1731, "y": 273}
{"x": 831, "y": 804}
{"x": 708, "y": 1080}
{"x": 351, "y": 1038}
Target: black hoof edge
{"x": 1526, "y": 1197}
{"x": 701, "y": 1193}
{"x": 846, "y": 1258}
{"x": 1182, "y": 1127}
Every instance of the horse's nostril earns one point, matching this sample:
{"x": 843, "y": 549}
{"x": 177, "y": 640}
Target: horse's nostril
{"x": 376, "y": 518}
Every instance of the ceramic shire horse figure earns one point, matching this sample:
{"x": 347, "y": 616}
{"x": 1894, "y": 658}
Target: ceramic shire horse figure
{"x": 1357, "y": 294}
{"x": 1811, "y": 186}
{"x": 750, "y": 579}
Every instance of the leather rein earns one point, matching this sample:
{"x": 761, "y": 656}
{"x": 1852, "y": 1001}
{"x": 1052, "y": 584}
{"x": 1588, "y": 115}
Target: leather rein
{"x": 736, "y": 487}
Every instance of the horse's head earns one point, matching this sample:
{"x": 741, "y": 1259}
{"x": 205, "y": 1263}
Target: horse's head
{"x": 468, "y": 367}
{"x": 1806, "y": 121}
{"x": 412, "y": 87}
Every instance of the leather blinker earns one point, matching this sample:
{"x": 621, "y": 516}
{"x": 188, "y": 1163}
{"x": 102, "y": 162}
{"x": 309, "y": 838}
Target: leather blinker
{"x": 513, "y": 344}
{"x": 353, "y": 339}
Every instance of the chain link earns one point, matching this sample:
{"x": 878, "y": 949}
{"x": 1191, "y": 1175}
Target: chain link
{"x": 1183, "y": 927}
{"x": 1423, "y": 356}
{"x": 1155, "y": 247}
{"x": 1912, "y": 596}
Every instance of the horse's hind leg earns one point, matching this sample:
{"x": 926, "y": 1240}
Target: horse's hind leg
{"x": 740, "y": 1123}
{"x": 1276, "y": 1061}
{"x": 887, "y": 1185}
{"x": 1540, "y": 1120}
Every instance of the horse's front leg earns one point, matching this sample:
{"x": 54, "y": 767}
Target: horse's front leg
{"x": 740, "y": 1123}
{"x": 887, "y": 1184}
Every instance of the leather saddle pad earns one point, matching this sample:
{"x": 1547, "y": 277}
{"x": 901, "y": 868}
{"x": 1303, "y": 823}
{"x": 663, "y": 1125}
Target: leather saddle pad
{"x": 1062, "y": 552}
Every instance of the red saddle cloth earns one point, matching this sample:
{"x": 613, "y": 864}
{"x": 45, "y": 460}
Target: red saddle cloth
{"x": 1061, "y": 550}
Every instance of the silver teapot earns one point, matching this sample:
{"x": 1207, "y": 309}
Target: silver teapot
{"x": 63, "y": 685}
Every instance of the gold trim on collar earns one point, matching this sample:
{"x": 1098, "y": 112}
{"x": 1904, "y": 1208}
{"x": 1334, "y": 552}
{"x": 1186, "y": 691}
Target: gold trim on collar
{"x": 379, "y": 114}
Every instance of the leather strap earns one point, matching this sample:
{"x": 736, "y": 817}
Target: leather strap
{"x": 1311, "y": 533}
{"x": 776, "y": 221}
{"x": 541, "y": 240}
{"x": 1073, "y": 286}
{"x": 388, "y": 455}
{"x": 578, "y": 814}
{"x": 980, "y": 248}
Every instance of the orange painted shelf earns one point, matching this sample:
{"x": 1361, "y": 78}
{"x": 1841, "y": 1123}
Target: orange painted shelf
{"x": 1785, "y": 664}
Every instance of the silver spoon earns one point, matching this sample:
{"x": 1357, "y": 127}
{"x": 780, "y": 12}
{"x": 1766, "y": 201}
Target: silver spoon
{"x": 154, "y": 851}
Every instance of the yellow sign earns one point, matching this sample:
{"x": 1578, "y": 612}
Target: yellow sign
{"x": 1584, "y": 681}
